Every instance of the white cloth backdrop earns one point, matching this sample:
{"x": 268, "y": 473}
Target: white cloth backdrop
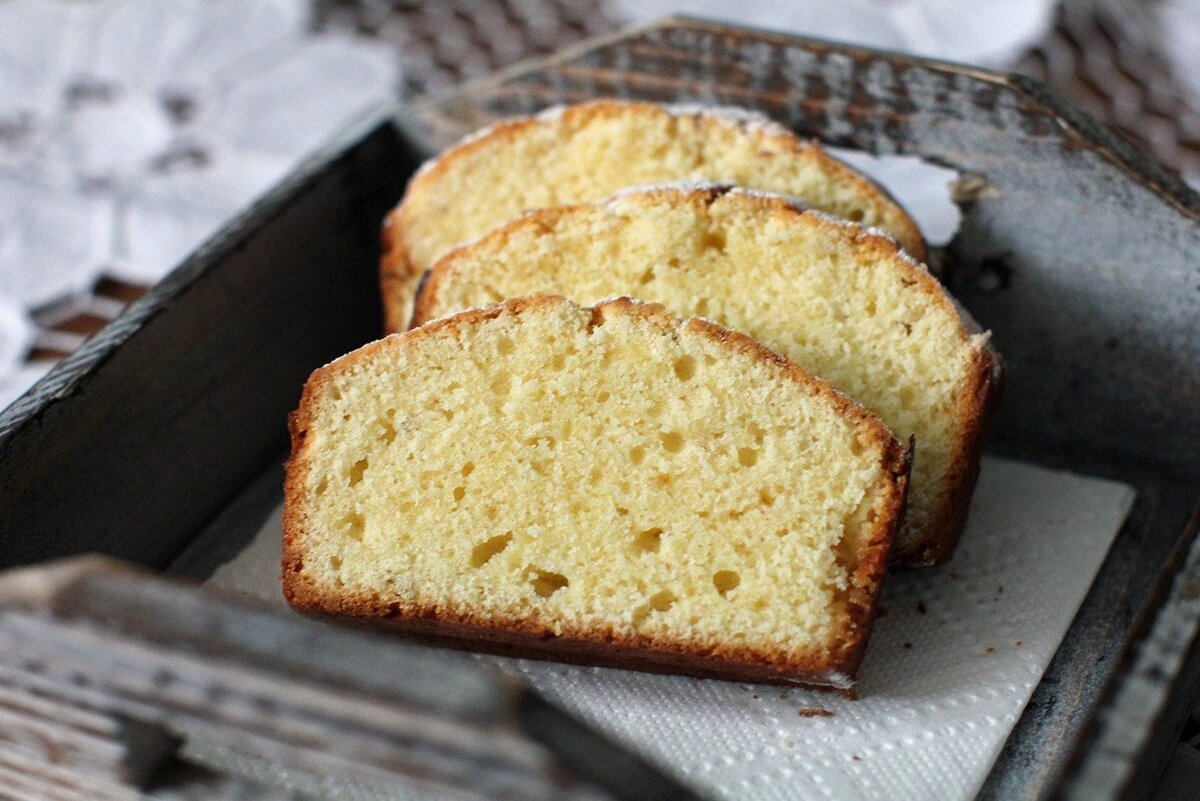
{"x": 130, "y": 130}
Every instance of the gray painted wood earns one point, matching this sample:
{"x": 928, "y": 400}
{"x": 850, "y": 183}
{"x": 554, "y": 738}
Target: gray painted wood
{"x": 106, "y": 669}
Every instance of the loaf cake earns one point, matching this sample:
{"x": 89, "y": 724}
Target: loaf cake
{"x": 584, "y": 153}
{"x": 843, "y": 301}
{"x": 603, "y": 485}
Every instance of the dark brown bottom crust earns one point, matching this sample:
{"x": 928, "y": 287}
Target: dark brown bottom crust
{"x": 463, "y": 637}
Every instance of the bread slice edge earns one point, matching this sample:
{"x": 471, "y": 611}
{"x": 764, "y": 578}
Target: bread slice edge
{"x": 977, "y": 398}
{"x": 461, "y": 628}
{"x": 399, "y": 275}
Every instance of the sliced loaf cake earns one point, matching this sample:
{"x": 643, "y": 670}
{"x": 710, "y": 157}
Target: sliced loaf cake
{"x": 843, "y": 301}
{"x": 584, "y": 153}
{"x": 602, "y": 485}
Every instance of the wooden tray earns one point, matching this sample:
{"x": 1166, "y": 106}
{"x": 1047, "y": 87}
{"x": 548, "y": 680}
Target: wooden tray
{"x": 168, "y": 426}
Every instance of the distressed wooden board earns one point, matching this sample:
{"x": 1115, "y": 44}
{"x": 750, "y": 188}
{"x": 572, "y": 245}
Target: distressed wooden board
{"x": 105, "y": 669}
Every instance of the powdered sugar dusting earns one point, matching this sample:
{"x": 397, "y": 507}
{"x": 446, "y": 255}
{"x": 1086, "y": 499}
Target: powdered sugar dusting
{"x": 762, "y": 194}
{"x": 839, "y": 681}
{"x": 546, "y": 115}
{"x": 474, "y": 136}
{"x": 551, "y": 113}
{"x": 426, "y": 166}
{"x": 667, "y": 186}
{"x": 724, "y": 187}
{"x": 747, "y": 119}
{"x": 857, "y": 229}
{"x": 969, "y": 322}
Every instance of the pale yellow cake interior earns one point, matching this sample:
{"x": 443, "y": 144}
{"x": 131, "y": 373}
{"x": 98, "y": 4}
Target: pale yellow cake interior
{"x": 582, "y": 156}
{"x": 881, "y": 330}
{"x": 616, "y": 478}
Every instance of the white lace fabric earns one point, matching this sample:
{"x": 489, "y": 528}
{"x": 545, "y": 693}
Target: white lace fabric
{"x": 130, "y": 130}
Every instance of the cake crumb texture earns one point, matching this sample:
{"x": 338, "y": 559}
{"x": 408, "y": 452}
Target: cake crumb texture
{"x": 605, "y": 484}
{"x": 846, "y": 303}
{"x": 588, "y": 151}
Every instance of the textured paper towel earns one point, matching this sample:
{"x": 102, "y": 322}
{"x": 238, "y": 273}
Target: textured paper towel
{"x": 950, "y": 667}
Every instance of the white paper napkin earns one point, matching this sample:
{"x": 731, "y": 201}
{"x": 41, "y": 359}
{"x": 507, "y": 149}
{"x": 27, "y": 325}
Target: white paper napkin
{"x": 950, "y": 667}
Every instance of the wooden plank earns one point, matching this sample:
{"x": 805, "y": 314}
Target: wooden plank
{"x": 40, "y": 781}
{"x": 318, "y": 701}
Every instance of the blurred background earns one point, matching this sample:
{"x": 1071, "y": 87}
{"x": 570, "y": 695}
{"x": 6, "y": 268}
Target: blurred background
{"x": 131, "y": 130}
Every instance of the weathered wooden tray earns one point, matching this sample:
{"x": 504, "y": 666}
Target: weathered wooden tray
{"x": 158, "y": 444}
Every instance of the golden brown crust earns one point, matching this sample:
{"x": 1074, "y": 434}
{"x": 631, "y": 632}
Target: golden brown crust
{"x": 399, "y": 274}
{"x": 537, "y": 639}
{"x": 977, "y": 398}
{"x": 430, "y": 284}
{"x": 399, "y": 278}
{"x": 977, "y": 406}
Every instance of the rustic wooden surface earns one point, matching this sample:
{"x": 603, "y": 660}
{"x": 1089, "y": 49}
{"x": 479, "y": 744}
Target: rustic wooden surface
{"x": 106, "y": 669}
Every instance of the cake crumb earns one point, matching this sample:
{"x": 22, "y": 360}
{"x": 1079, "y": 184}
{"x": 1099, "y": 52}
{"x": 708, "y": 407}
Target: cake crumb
{"x": 815, "y": 712}
{"x": 1019, "y": 643}
{"x": 908, "y": 645}
{"x": 882, "y": 613}
{"x": 856, "y": 757}
{"x": 921, "y": 608}
{"x": 783, "y": 696}
{"x": 952, "y": 575}
{"x": 991, "y": 650}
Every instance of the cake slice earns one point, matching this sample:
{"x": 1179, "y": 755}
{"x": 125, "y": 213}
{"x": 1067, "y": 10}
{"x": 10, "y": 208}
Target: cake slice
{"x": 602, "y": 485}
{"x": 845, "y": 302}
{"x": 584, "y": 153}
